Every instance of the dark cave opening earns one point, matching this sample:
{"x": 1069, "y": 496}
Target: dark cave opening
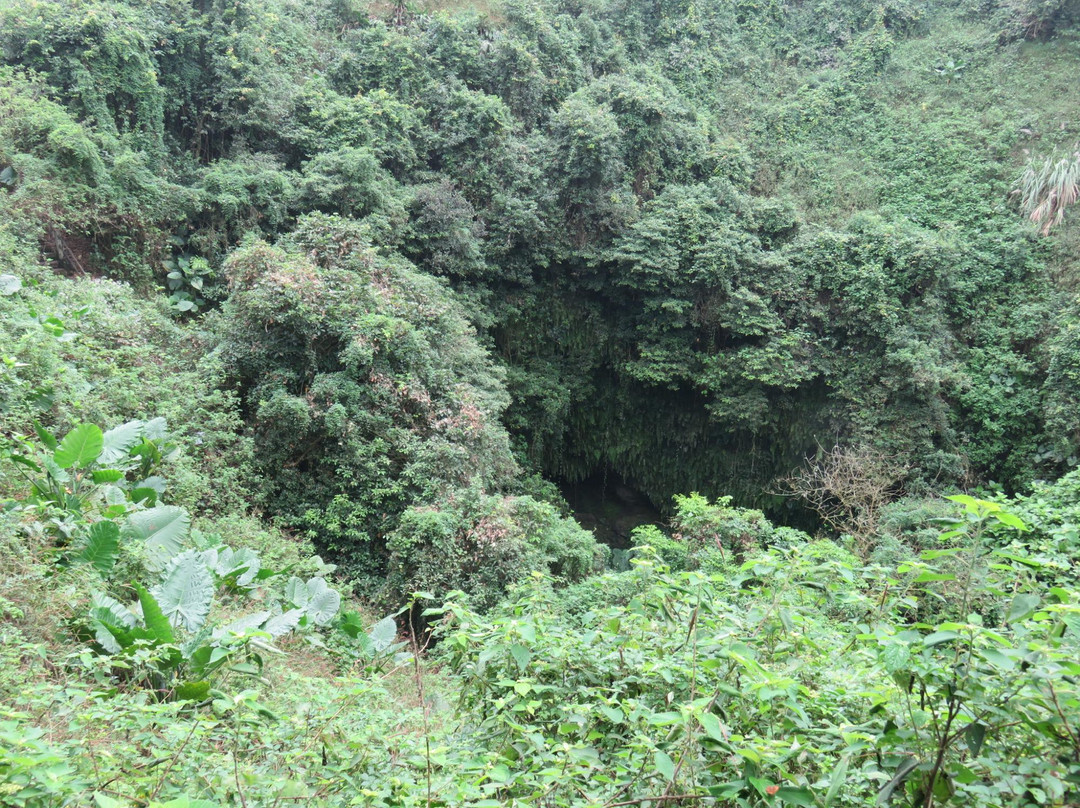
{"x": 610, "y": 506}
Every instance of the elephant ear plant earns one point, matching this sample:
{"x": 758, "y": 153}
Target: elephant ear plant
{"x": 167, "y": 626}
{"x": 100, "y": 496}
{"x": 80, "y": 486}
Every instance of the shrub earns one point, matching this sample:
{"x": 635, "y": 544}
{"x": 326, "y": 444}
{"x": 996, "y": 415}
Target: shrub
{"x": 366, "y": 389}
{"x": 713, "y": 535}
{"x": 482, "y": 544}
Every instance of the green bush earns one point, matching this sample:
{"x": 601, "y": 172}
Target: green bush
{"x": 367, "y": 390}
{"x": 482, "y": 544}
{"x": 713, "y": 535}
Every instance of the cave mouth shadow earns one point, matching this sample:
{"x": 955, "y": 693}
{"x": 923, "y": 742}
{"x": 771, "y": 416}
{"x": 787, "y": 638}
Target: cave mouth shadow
{"x": 610, "y": 506}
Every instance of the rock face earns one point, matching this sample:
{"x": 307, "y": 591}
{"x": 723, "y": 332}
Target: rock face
{"x": 610, "y": 508}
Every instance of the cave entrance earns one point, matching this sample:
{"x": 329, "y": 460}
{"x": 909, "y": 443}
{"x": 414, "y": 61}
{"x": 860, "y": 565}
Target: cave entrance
{"x": 610, "y": 507}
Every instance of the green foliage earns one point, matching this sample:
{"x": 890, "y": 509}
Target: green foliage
{"x": 187, "y": 280}
{"x": 186, "y": 569}
{"x": 318, "y": 602}
{"x": 712, "y": 686}
{"x": 683, "y": 243}
{"x": 712, "y": 536}
{"x": 368, "y": 390}
{"x": 92, "y": 478}
{"x": 35, "y": 774}
{"x": 376, "y": 648}
{"x": 695, "y": 187}
{"x": 1030, "y": 19}
{"x": 351, "y": 182}
{"x": 664, "y": 694}
{"x": 482, "y": 544}
{"x": 60, "y": 376}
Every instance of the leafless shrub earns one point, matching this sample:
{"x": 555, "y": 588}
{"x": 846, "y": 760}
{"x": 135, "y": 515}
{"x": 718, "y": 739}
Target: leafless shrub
{"x": 848, "y": 486}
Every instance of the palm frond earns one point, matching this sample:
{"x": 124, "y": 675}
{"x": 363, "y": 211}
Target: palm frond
{"x": 1047, "y": 189}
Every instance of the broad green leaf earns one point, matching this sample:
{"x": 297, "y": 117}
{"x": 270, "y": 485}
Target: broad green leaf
{"x": 47, "y": 438}
{"x": 281, "y": 624}
{"x": 242, "y": 566}
{"x": 112, "y": 623}
{"x": 964, "y": 499}
{"x": 102, "y": 546}
{"x": 323, "y": 602}
{"x": 1012, "y": 520}
{"x": 903, "y": 771}
{"x": 836, "y": 782}
{"x": 119, "y": 440}
{"x": 974, "y": 735}
{"x": 1028, "y": 562}
{"x": 789, "y": 795}
{"x": 296, "y": 592}
{"x": 80, "y": 447}
{"x": 146, "y": 497}
{"x": 998, "y": 659}
{"x": 711, "y": 724}
{"x": 927, "y": 577}
{"x": 102, "y": 476}
{"x": 786, "y": 620}
{"x": 351, "y": 624}
{"x": 153, "y": 616}
{"x": 383, "y": 634}
{"x": 895, "y": 656}
{"x": 962, "y": 774}
{"x": 186, "y": 590}
{"x": 665, "y": 766}
{"x": 938, "y": 637}
{"x": 114, "y": 495}
{"x": 943, "y": 787}
{"x": 665, "y": 719}
{"x": 242, "y": 625}
{"x": 155, "y": 483}
{"x": 1022, "y": 607}
{"x": 930, "y": 555}
{"x": 612, "y": 714}
{"x": 760, "y": 784}
{"x": 162, "y": 529}
{"x": 24, "y": 461}
{"x": 192, "y": 691}
{"x": 521, "y": 655}
{"x": 155, "y": 429}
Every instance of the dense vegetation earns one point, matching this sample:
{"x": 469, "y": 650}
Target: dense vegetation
{"x": 312, "y": 312}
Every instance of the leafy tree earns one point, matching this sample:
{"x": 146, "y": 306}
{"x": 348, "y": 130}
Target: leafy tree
{"x": 367, "y": 390}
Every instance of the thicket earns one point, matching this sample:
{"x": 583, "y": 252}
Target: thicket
{"x": 724, "y": 233}
{"x": 284, "y": 281}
